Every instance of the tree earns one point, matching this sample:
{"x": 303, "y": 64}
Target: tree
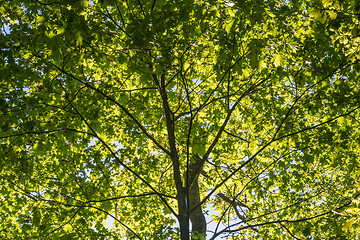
{"x": 352, "y": 224}
{"x": 152, "y": 113}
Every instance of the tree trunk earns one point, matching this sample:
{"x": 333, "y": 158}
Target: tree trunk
{"x": 197, "y": 217}
{"x": 183, "y": 216}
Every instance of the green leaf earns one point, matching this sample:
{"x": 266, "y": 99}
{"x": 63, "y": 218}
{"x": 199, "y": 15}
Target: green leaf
{"x": 106, "y": 205}
{"x": 146, "y": 111}
{"x": 277, "y": 60}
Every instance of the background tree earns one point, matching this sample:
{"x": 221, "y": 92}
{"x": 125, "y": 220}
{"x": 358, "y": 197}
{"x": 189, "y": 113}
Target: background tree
{"x": 151, "y": 113}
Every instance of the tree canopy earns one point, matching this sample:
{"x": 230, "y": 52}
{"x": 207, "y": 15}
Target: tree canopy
{"x": 179, "y": 119}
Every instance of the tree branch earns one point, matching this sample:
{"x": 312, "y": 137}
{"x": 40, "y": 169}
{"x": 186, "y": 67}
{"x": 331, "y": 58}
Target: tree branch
{"x": 109, "y": 98}
{"x": 129, "y": 196}
{"x": 46, "y": 132}
{"x": 222, "y": 128}
{"x": 235, "y": 204}
{"x": 283, "y": 221}
{"x": 121, "y": 162}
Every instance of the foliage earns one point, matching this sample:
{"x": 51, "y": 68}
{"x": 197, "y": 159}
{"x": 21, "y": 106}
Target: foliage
{"x": 353, "y": 212}
{"x": 151, "y": 113}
